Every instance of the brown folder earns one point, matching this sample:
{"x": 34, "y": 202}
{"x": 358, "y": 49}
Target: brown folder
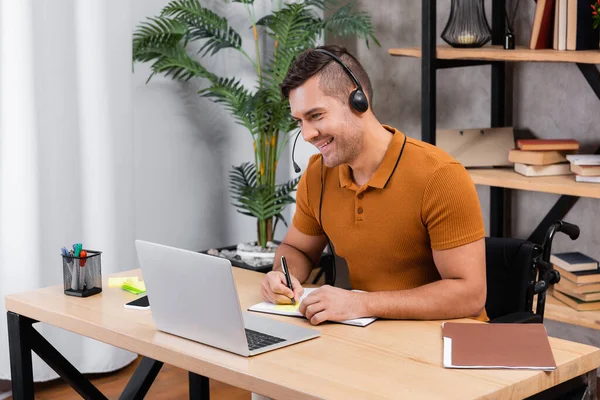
{"x": 516, "y": 346}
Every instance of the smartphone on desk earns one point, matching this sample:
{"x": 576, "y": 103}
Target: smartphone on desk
{"x": 139, "y": 304}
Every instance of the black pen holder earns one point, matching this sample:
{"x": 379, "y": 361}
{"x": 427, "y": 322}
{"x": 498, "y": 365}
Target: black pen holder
{"x": 82, "y": 276}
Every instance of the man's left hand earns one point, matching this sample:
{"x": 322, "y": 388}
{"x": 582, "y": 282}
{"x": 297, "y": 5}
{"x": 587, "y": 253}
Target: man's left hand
{"x": 332, "y": 304}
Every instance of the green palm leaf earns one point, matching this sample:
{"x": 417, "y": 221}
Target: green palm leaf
{"x": 291, "y": 29}
{"x": 345, "y": 22}
{"x": 176, "y": 63}
{"x": 236, "y": 98}
{"x": 157, "y": 33}
{"x": 261, "y": 201}
{"x": 204, "y": 24}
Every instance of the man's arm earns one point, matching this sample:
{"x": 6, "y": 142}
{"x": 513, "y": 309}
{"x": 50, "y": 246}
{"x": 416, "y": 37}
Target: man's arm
{"x": 460, "y": 293}
{"x": 302, "y": 252}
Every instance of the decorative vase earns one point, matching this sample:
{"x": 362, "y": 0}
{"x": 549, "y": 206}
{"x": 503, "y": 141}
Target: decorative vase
{"x": 467, "y": 24}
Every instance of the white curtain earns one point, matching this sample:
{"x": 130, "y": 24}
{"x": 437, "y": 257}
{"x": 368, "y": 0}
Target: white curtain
{"x": 66, "y": 154}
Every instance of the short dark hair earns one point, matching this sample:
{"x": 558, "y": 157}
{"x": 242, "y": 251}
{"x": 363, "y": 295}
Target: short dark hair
{"x": 335, "y": 82}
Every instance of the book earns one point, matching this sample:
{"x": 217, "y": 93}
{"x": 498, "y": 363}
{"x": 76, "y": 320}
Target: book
{"x": 583, "y": 159}
{"x": 555, "y": 33}
{"x": 585, "y": 170}
{"x": 588, "y": 179}
{"x": 580, "y": 31}
{"x": 510, "y": 346}
{"x": 580, "y": 277}
{"x": 577, "y": 304}
{"x": 562, "y": 25}
{"x": 547, "y": 144}
{"x": 543, "y": 170}
{"x": 587, "y": 297}
{"x": 580, "y": 288}
{"x": 291, "y": 310}
{"x": 574, "y": 261}
{"x": 542, "y": 29}
{"x": 536, "y": 157}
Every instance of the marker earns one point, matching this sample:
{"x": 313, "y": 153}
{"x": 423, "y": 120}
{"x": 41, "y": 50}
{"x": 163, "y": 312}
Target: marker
{"x": 288, "y": 280}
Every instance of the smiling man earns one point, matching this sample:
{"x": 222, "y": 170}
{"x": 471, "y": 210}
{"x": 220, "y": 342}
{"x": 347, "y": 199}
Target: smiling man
{"x": 403, "y": 213}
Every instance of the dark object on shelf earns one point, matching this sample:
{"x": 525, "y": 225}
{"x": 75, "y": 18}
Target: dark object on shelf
{"x": 82, "y": 276}
{"x": 467, "y": 25}
{"x": 509, "y": 41}
{"x": 509, "y": 38}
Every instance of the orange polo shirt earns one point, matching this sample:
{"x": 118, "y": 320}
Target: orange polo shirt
{"x": 418, "y": 199}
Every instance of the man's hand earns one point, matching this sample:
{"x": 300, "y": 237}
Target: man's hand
{"x": 332, "y": 304}
{"x": 274, "y": 288}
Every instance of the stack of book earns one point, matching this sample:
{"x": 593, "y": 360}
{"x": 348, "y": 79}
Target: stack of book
{"x": 586, "y": 167}
{"x": 542, "y": 157}
{"x": 579, "y": 285}
{"x": 564, "y": 25}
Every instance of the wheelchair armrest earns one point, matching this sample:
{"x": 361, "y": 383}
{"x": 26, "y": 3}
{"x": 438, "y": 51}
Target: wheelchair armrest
{"x": 518, "y": 318}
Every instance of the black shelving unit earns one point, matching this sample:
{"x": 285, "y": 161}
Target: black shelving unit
{"x": 499, "y": 212}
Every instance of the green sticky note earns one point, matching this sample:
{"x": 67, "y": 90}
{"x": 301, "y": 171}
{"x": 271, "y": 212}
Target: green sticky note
{"x": 134, "y": 287}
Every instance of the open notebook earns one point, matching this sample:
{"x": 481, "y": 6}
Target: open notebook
{"x": 292, "y": 310}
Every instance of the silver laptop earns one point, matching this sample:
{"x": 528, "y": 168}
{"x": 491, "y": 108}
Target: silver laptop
{"x": 193, "y": 295}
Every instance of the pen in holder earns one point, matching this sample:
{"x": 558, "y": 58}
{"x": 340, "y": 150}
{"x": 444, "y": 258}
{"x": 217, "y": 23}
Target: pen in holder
{"x": 82, "y": 275}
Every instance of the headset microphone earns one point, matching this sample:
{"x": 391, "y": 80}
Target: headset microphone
{"x": 296, "y": 166}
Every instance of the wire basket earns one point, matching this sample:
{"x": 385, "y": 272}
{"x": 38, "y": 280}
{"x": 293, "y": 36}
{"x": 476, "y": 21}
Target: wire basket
{"x": 82, "y": 276}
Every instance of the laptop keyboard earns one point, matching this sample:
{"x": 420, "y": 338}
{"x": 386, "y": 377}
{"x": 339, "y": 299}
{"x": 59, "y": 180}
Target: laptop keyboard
{"x": 256, "y": 340}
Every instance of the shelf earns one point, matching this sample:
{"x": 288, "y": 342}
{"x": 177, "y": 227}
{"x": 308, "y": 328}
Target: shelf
{"x": 497, "y": 53}
{"x": 507, "y": 178}
{"x": 556, "y": 310}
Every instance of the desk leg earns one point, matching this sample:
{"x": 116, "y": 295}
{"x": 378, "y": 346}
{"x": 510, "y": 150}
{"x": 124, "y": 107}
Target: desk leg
{"x": 21, "y": 367}
{"x": 591, "y": 379}
{"x": 582, "y": 387}
{"x": 23, "y": 339}
{"x": 142, "y": 379}
{"x": 199, "y": 387}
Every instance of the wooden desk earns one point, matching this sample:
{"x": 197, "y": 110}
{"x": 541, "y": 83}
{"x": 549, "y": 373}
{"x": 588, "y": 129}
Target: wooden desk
{"x": 388, "y": 359}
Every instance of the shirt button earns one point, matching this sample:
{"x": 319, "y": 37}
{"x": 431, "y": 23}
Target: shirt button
{"x": 361, "y": 195}
{"x": 360, "y": 210}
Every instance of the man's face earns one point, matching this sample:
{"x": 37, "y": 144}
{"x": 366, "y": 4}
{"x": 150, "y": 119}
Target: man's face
{"x": 326, "y": 123}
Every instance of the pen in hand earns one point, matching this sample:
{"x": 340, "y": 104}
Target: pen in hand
{"x": 288, "y": 280}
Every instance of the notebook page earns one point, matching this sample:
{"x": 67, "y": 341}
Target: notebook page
{"x": 291, "y": 310}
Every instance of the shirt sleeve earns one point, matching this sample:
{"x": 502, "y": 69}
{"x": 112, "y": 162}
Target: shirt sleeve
{"x": 305, "y": 218}
{"x": 451, "y": 210}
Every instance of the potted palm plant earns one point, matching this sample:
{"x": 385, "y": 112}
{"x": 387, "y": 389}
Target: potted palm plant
{"x": 291, "y": 27}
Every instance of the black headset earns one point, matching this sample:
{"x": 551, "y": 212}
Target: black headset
{"x": 359, "y": 102}
{"x": 358, "y": 99}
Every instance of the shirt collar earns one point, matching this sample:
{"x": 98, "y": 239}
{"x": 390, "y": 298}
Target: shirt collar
{"x": 387, "y": 167}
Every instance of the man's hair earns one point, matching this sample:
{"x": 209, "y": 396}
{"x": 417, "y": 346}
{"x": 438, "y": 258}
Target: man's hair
{"x": 334, "y": 81}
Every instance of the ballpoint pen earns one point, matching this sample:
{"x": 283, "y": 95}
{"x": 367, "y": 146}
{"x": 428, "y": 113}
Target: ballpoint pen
{"x": 288, "y": 280}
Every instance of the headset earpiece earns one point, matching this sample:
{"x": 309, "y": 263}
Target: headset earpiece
{"x": 359, "y": 101}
